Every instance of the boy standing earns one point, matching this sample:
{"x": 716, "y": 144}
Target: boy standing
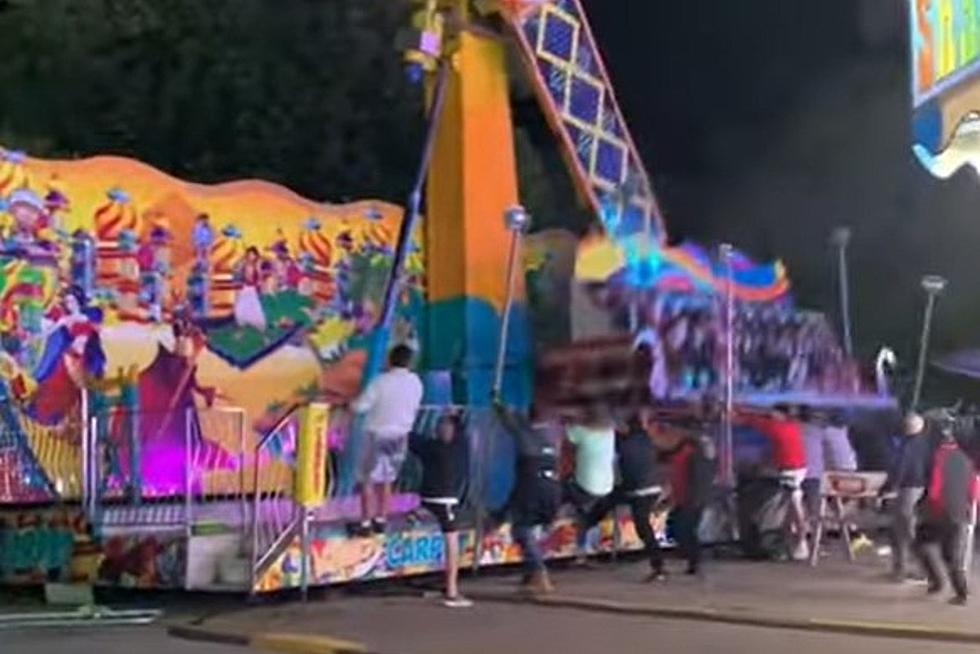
{"x": 389, "y": 405}
{"x": 443, "y": 467}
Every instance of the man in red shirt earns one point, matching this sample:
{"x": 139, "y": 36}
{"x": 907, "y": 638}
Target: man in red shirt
{"x": 789, "y": 457}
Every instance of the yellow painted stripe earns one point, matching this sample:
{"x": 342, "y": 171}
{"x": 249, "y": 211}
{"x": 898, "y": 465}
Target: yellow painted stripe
{"x": 303, "y": 644}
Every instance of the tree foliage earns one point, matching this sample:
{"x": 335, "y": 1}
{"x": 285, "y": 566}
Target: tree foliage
{"x": 309, "y": 94}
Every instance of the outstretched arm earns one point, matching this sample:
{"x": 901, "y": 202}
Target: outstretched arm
{"x": 366, "y": 400}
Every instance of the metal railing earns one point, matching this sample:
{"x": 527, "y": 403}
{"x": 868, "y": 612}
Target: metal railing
{"x": 200, "y": 461}
{"x": 275, "y": 517}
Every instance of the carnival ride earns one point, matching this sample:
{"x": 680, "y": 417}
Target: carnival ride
{"x": 163, "y": 393}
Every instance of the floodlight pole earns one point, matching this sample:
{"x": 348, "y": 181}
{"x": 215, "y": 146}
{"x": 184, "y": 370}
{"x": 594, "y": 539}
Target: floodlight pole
{"x": 516, "y": 220}
{"x": 841, "y": 238}
{"x": 933, "y": 285}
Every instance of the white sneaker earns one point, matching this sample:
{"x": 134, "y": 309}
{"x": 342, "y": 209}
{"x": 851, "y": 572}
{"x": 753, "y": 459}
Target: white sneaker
{"x": 801, "y": 552}
{"x": 458, "y": 602}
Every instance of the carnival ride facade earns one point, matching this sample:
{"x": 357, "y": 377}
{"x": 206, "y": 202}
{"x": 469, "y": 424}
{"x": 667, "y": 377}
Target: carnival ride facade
{"x": 160, "y": 338}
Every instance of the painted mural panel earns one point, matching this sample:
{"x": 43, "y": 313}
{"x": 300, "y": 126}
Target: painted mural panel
{"x": 165, "y": 297}
{"x": 945, "y": 76}
{"x": 336, "y": 559}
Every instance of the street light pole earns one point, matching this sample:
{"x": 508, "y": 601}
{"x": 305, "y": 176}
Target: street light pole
{"x": 517, "y": 220}
{"x": 841, "y": 238}
{"x": 933, "y": 285}
{"x": 727, "y": 454}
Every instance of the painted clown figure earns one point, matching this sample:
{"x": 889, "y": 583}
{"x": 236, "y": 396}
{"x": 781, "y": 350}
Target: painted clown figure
{"x": 30, "y": 222}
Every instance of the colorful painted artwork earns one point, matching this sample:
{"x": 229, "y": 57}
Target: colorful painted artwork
{"x": 336, "y": 559}
{"x": 164, "y": 298}
{"x": 143, "y": 561}
{"x": 945, "y": 61}
{"x": 945, "y": 44}
{"x": 49, "y": 545}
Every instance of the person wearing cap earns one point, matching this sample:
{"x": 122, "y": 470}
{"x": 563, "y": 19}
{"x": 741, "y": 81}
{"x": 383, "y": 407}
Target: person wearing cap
{"x": 907, "y": 479}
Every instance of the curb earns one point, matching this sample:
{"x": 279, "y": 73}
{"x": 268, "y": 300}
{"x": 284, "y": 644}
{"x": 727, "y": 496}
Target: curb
{"x": 283, "y": 643}
{"x": 854, "y": 628}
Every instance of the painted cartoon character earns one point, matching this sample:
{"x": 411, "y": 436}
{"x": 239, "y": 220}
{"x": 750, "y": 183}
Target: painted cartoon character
{"x": 30, "y": 217}
{"x": 202, "y": 237}
{"x": 248, "y": 303}
{"x": 72, "y": 354}
{"x": 347, "y": 559}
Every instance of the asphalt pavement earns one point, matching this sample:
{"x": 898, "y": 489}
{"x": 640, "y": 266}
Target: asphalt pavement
{"x": 420, "y": 626}
{"x": 111, "y": 640}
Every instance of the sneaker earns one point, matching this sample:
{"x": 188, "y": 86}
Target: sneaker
{"x": 934, "y": 588}
{"x": 359, "y": 530}
{"x": 539, "y": 584}
{"x": 655, "y": 576}
{"x": 458, "y": 602}
{"x": 861, "y": 543}
{"x": 379, "y": 525}
{"x": 801, "y": 552}
{"x": 958, "y": 600}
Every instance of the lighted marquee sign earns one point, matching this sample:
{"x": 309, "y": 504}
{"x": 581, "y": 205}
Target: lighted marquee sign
{"x": 945, "y": 45}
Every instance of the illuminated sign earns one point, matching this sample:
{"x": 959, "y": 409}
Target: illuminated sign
{"x": 945, "y": 44}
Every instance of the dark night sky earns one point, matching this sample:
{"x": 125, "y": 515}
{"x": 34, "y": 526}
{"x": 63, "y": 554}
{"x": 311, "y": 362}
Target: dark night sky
{"x": 686, "y": 70}
{"x": 770, "y": 122}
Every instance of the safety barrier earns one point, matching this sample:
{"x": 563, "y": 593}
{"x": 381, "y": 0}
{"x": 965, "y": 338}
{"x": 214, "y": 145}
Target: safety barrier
{"x": 275, "y": 517}
{"x": 150, "y": 469}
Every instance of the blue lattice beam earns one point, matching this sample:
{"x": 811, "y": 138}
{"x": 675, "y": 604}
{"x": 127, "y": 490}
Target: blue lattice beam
{"x": 565, "y": 66}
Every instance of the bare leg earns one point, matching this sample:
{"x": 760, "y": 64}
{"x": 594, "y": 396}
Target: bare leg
{"x": 452, "y": 564}
{"x": 384, "y": 500}
{"x": 798, "y": 524}
{"x": 367, "y": 501}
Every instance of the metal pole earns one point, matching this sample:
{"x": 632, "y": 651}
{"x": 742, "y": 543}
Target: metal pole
{"x": 933, "y": 286}
{"x": 382, "y": 330}
{"x": 516, "y": 220}
{"x": 86, "y": 459}
{"x": 242, "y": 460}
{"x": 304, "y": 581}
{"x": 841, "y": 238}
{"x": 728, "y": 468}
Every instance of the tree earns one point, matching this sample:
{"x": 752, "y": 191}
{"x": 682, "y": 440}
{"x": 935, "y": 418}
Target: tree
{"x": 308, "y": 94}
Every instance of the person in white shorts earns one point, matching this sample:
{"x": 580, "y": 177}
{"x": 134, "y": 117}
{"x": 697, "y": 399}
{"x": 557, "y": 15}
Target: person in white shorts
{"x": 389, "y": 405}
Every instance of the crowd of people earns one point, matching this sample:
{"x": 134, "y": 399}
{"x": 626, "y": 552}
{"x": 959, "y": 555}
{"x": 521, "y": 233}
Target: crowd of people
{"x": 777, "y": 350}
{"x": 637, "y": 461}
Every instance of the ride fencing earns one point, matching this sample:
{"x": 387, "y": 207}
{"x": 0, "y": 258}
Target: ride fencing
{"x": 275, "y": 517}
{"x": 166, "y": 469}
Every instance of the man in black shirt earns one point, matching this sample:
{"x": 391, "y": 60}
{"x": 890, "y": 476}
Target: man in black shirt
{"x": 443, "y": 467}
{"x": 536, "y": 497}
{"x": 908, "y": 478}
{"x": 636, "y": 457}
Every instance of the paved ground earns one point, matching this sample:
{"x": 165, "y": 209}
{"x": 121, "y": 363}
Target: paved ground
{"x": 407, "y": 623}
{"x": 836, "y": 590}
{"x": 140, "y": 640}
{"x": 416, "y": 626}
